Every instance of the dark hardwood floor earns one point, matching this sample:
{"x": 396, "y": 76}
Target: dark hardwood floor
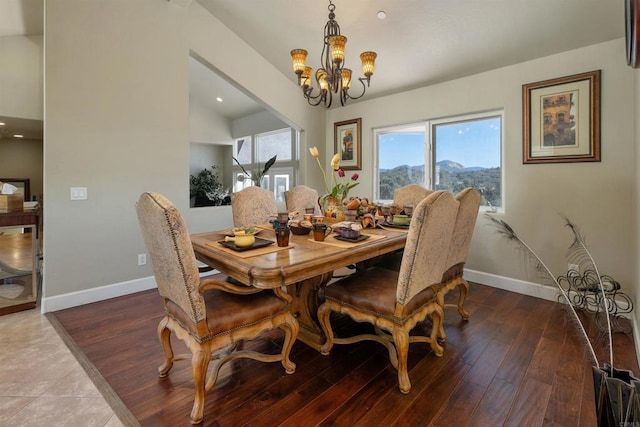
{"x": 516, "y": 362}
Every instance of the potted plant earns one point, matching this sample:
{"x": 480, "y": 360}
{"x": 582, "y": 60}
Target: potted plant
{"x": 256, "y": 175}
{"x": 207, "y": 189}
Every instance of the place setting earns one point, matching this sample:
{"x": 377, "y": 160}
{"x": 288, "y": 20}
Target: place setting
{"x": 244, "y": 243}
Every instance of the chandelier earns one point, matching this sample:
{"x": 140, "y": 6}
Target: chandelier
{"x": 331, "y": 77}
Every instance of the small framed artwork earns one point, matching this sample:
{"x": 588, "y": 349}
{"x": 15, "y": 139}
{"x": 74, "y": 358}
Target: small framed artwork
{"x": 348, "y": 142}
{"x": 561, "y": 119}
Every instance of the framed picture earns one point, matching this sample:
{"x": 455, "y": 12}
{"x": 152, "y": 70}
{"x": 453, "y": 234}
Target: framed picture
{"x": 348, "y": 142}
{"x": 561, "y": 119}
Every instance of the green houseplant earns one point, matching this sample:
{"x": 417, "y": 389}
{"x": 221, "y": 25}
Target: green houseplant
{"x": 256, "y": 175}
{"x": 207, "y": 189}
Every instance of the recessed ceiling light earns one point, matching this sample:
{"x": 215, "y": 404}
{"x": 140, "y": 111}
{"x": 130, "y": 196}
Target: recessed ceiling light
{"x": 382, "y": 14}
{"x": 17, "y": 135}
{"x": 1, "y": 124}
{"x": 219, "y": 99}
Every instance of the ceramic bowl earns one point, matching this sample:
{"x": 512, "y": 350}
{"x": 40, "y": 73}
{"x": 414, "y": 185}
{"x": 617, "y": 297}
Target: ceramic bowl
{"x": 348, "y": 233}
{"x": 299, "y": 230}
{"x": 241, "y": 240}
{"x": 400, "y": 220}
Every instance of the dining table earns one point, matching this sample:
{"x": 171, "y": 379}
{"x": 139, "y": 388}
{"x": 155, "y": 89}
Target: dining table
{"x": 302, "y": 268}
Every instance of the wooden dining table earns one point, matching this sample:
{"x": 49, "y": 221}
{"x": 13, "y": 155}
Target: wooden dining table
{"x": 303, "y": 268}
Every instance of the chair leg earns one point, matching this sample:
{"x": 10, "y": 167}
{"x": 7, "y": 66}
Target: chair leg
{"x": 437, "y": 317}
{"x": 164, "y": 335}
{"x": 464, "y": 290}
{"x": 199, "y": 364}
{"x": 442, "y": 336}
{"x": 290, "y": 328}
{"x": 324, "y": 313}
{"x": 401, "y": 341}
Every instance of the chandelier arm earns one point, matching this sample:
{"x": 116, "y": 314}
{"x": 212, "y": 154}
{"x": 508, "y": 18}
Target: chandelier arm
{"x": 347, "y": 95}
{"x": 321, "y": 97}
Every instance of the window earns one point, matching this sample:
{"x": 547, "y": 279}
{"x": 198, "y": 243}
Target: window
{"x": 468, "y": 154}
{"x": 462, "y": 151}
{"x": 254, "y": 151}
{"x": 401, "y": 157}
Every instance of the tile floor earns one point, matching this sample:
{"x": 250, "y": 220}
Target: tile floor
{"x": 41, "y": 382}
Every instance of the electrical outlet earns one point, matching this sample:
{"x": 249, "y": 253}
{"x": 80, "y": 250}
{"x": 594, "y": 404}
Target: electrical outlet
{"x": 142, "y": 259}
{"x": 573, "y": 267}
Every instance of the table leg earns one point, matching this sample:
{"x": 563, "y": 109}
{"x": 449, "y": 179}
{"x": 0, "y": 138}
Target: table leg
{"x": 305, "y": 307}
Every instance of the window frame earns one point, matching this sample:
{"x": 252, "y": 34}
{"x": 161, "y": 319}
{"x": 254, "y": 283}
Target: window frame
{"x": 407, "y": 127}
{"x": 280, "y": 167}
{"x": 429, "y": 126}
{"x": 470, "y": 117}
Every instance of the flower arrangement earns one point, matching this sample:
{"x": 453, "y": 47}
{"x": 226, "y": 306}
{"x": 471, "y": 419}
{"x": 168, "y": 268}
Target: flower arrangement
{"x": 340, "y": 189}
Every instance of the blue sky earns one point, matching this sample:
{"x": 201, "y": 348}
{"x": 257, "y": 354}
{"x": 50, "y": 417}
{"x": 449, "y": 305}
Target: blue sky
{"x": 468, "y": 143}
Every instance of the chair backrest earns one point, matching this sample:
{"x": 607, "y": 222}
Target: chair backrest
{"x": 411, "y": 194}
{"x": 425, "y": 253}
{"x": 465, "y": 223}
{"x": 301, "y": 197}
{"x": 252, "y": 206}
{"x": 171, "y": 253}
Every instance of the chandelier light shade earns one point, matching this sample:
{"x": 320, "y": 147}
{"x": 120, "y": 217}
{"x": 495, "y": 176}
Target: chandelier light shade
{"x": 331, "y": 78}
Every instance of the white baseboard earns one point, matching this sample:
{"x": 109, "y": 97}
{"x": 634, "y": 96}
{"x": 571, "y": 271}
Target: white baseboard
{"x": 74, "y": 299}
{"x": 513, "y": 285}
{"x": 87, "y": 296}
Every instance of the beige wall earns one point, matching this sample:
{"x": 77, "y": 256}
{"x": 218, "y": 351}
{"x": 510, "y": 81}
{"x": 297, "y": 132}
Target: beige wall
{"x": 21, "y": 97}
{"x": 596, "y": 196}
{"x": 22, "y": 159}
{"x": 21, "y": 82}
{"x": 117, "y": 122}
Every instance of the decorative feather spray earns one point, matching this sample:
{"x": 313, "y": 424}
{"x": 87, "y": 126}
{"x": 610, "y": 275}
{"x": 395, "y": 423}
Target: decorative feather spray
{"x": 616, "y": 391}
{"x": 580, "y": 255}
{"x": 509, "y": 233}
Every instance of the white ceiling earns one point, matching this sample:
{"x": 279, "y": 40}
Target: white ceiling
{"x": 420, "y": 42}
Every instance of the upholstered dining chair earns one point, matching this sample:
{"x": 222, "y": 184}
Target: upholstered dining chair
{"x": 411, "y": 194}
{"x": 252, "y": 206}
{"x": 395, "y": 301}
{"x": 300, "y": 198}
{"x": 211, "y": 316}
{"x": 469, "y": 200}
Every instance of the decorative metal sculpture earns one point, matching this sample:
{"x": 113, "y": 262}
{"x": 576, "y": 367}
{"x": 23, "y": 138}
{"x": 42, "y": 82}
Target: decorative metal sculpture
{"x": 584, "y": 294}
{"x": 616, "y": 391}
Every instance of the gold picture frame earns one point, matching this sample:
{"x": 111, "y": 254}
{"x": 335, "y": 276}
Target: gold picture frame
{"x": 347, "y": 140}
{"x": 561, "y": 119}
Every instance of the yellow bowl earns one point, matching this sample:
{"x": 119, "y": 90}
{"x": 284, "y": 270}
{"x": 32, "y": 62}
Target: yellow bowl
{"x": 241, "y": 240}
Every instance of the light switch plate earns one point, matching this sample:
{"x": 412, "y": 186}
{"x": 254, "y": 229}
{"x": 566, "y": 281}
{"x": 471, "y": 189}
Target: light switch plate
{"x": 78, "y": 193}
